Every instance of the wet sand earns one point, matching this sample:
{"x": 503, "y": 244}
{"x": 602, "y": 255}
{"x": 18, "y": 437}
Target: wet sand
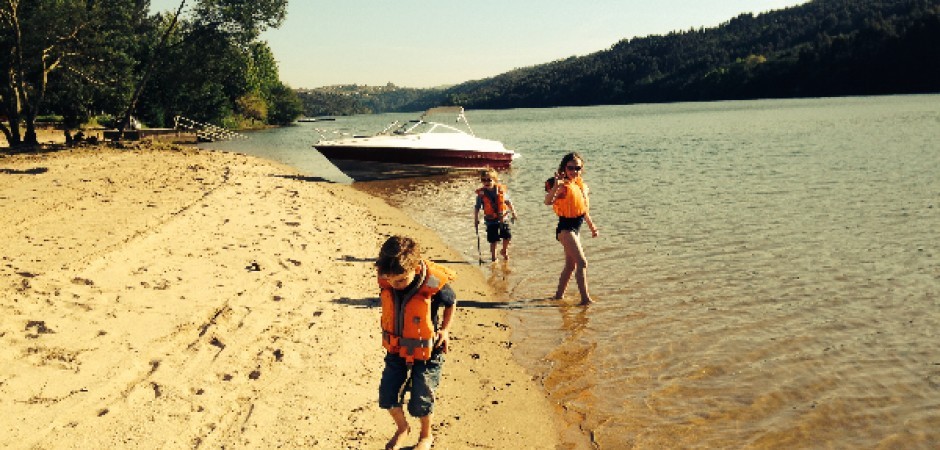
{"x": 173, "y": 297}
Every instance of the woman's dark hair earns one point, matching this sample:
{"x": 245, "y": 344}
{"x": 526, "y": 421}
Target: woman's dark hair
{"x": 567, "y": 159}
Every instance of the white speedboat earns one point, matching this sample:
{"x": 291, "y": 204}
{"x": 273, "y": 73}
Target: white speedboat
{"x": 423, "y": 143}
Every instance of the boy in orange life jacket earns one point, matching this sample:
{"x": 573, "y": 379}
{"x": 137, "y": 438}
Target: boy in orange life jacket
{"x": 413, "y": 290}
{"x": 493, "y": 199}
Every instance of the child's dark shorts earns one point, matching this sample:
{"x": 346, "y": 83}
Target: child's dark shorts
{"x": 425, "y": 376}
{"x": 498, "y": 230}
{"x": 572, "y": 224}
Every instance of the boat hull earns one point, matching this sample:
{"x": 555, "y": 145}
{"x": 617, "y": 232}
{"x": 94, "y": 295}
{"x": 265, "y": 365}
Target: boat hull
{"x": 443, "y": 158}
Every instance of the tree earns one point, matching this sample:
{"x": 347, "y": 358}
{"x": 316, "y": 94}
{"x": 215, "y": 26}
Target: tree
{"x": 72, "y": 52}
{"x": 203, "y": 68}
{"x": 244, "y": 20}
{"x": 38, "y": 38}
{"x": 252, "y": 106}
{"x": 126, "y": 119}
{"x": 284, "y": 105}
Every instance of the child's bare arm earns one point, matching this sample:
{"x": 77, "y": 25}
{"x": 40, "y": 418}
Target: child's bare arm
{"x": 443, "y": 334}
{"x": 587, "y": 218}
{"x": 557, "y": 189}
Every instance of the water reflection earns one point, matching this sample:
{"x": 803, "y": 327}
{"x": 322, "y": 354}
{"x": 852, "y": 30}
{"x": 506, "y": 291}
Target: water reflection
{"x": 572, "y": 381}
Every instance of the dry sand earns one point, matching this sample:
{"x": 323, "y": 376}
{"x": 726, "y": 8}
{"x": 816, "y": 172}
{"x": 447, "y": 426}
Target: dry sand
{"x": 180, "y": 298}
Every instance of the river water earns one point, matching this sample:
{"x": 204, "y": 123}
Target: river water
{"x": 767, "y": 273}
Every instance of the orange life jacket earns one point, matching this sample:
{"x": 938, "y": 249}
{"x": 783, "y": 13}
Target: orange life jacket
{"x": 407, "y": 327}
{"x": 573, "y": 202}
{"x": 494, "y": 210}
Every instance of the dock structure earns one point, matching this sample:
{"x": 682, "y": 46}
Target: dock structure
{"x": 205, "y": 131}
{"x": 136, "y": 135}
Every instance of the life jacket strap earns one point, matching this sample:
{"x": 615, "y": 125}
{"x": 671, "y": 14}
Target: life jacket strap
{"x": 412, "y": 344}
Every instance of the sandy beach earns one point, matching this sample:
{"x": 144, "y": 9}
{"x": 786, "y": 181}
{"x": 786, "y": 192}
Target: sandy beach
{"x": 179, "y": 298}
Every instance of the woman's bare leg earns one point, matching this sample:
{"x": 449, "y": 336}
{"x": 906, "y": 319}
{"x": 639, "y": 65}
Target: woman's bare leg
{"x": 574, "y": 261}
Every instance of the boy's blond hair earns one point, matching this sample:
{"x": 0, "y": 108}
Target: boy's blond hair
{"x": 398, "y": 255}
{"x": 490, "y": 173}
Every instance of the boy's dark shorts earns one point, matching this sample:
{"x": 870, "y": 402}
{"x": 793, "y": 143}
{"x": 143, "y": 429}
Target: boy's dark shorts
{"x": 425, "y": 376}
{"x": 498, "y": 230}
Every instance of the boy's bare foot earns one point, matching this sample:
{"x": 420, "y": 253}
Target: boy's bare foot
{"x": 505, "y": 254}
{"x": 425, "y": 443}
{"x": 396, "y": 441}
{"x": 586, "y": 301}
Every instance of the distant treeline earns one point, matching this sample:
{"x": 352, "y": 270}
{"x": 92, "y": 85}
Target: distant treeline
{"x": 821, "y": 48}
{"x": 344, "y": 100}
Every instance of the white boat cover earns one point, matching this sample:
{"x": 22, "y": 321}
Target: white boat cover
{"x": 443, "y": 110}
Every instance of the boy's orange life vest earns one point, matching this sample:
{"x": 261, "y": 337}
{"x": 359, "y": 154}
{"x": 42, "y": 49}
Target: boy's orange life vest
{"x": 572, "y": 203}
{"x": 494, "y": 207}
{"x": 407, "y": 328}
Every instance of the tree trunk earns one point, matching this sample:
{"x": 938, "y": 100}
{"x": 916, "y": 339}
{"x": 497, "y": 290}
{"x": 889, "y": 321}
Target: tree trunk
{"x": 150, "y": 65}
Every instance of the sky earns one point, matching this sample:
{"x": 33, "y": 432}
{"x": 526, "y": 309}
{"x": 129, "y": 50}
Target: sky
{"x": 432, "y": 43}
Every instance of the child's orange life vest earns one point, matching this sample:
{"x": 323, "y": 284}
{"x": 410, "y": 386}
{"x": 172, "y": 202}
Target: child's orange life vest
{"x": 494, "y": 208}
{"x": 573, "y": 202}
{"x": 407, "y": 327}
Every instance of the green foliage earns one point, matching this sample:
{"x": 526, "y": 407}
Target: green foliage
{"x": 76, "y": 58}
{"x": 66, "y": 56}
{"x": 243, "y": 20}
{"x": 284, "y": 105}
{"x": 252, "y": 106}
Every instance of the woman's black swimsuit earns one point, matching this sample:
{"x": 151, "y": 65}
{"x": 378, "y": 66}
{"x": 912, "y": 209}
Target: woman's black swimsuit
{"x": 572, "y": 224}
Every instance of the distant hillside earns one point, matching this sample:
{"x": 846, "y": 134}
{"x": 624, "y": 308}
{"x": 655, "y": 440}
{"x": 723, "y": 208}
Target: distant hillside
{"x": 344, "y": 100}
{"x": 822, "y": 48}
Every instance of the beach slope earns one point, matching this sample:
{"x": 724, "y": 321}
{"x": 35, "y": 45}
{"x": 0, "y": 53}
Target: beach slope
{"x": 179, "y": 298}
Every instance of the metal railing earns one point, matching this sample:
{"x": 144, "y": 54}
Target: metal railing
{"x": 206, "y": 131}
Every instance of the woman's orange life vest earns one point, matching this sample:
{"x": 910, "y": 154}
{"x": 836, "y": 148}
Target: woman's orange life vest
{"x": 407, "y": 327}
{"x": 572, "y": 202}
{"x": 494, "y": 207}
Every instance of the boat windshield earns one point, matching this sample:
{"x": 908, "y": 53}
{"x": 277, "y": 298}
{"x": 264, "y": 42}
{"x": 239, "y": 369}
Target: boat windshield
{"x": 423, "y": 127}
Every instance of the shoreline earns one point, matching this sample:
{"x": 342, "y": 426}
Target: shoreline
{"x": 173, "y": 296}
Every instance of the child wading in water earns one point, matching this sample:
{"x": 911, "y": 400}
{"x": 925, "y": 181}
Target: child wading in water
{"x": 493, "y": 199}
{"x": 413, "y": 291}
{"x": 568, "y": 196}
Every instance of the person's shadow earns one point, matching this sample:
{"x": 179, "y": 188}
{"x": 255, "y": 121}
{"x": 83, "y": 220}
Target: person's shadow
{"x": 32, "y": 171}
{"x": 373, "y": 302}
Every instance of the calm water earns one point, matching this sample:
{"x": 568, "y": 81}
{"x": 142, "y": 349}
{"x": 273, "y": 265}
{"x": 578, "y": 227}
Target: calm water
{"x": 767, "y": 275}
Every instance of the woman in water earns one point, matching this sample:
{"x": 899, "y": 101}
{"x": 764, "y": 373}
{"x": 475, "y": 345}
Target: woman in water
{"x": 568, "y": 196}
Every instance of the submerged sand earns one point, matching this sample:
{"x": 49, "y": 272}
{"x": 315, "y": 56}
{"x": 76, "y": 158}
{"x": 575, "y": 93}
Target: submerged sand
{"x": 180, "y": 298}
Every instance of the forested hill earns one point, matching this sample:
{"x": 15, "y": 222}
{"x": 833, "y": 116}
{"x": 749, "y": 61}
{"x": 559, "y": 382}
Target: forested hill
{"x": 821, "y": 48}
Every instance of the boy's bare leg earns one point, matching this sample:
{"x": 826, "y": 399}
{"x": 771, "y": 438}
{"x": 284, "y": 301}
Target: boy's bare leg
{"x": 493, "y": 251}
{"x": 505, "y": 251}
{"x": 426, "y": 439}
{"x": 402, "y": 429}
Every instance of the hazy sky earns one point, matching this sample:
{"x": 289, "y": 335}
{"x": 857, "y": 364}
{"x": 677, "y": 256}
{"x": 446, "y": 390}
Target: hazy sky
{"x": 431, "y": 43}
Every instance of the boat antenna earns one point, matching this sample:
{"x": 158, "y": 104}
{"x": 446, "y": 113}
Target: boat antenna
{"x": 463, "y": 117}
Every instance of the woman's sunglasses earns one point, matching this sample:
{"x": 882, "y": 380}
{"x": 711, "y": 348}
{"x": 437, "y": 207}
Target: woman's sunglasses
{"x": 574, "y": 168}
